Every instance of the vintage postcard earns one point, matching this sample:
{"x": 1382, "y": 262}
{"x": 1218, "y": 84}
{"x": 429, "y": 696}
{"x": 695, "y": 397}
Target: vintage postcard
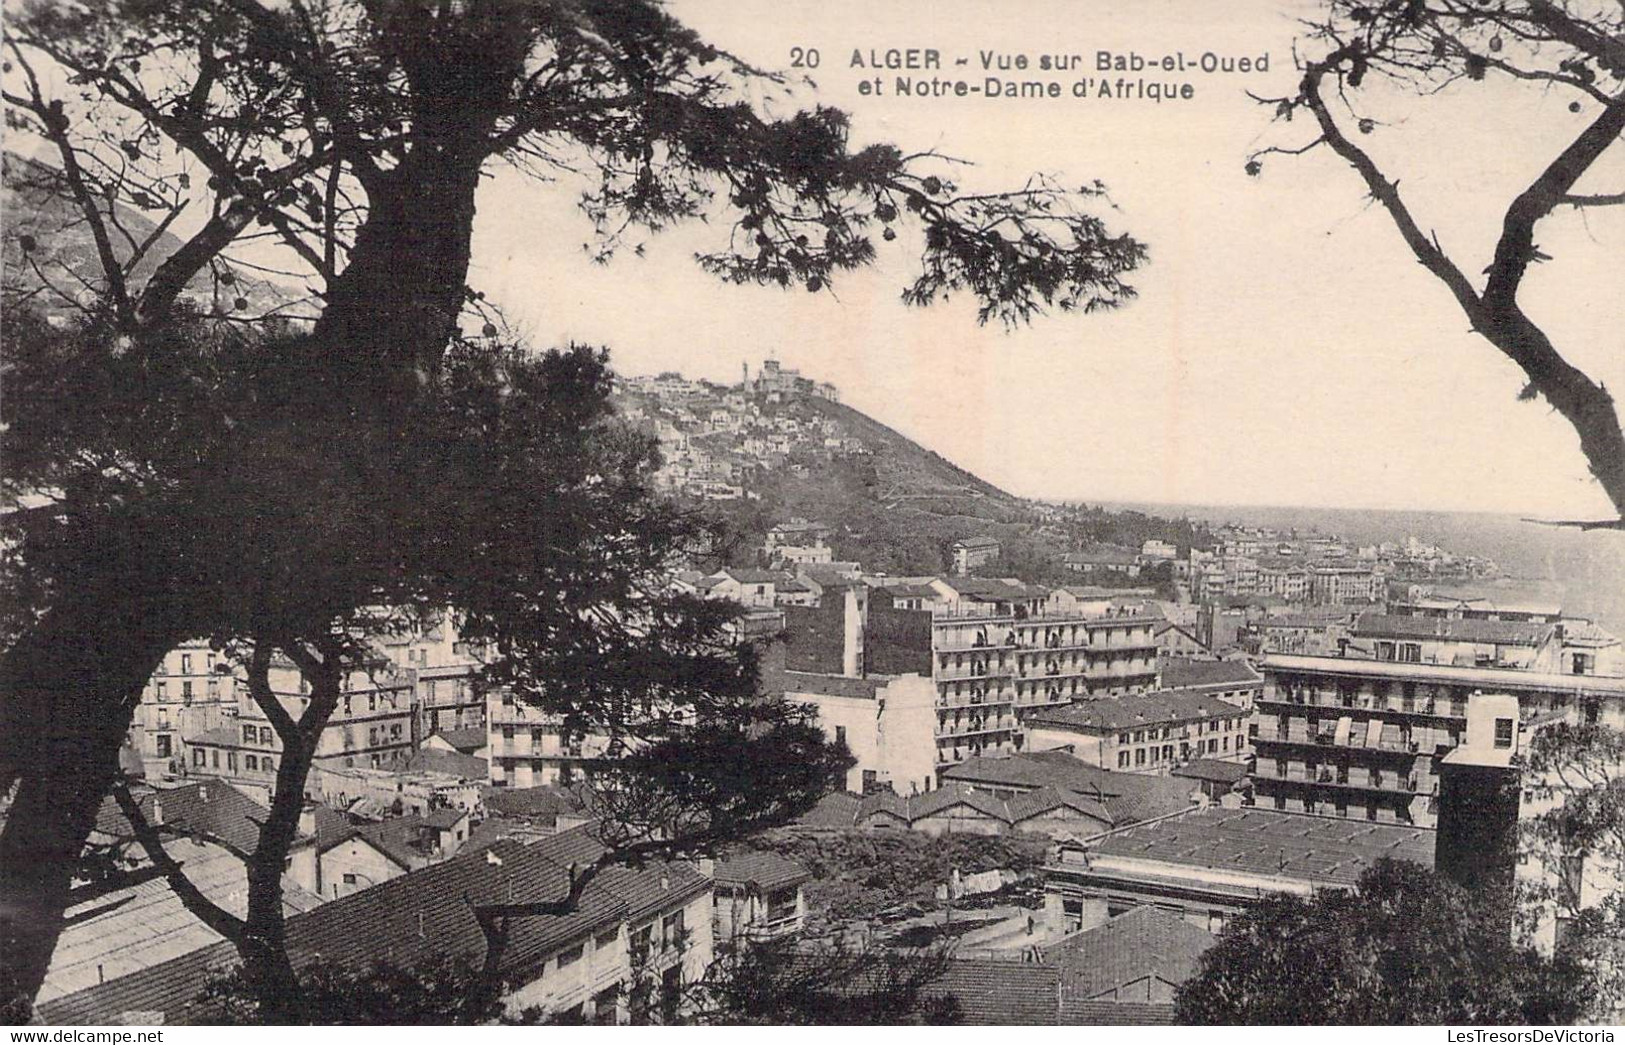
{"x": 771, "y": 512}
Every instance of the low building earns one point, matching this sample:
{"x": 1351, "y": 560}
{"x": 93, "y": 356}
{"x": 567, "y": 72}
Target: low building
{"x": 1224, "y": 783}
{"x": 1103, "y": 560}
{"x": 369, "y": 854}
{"x": 757, "y": 895}
{"x": 1141, "y": 957}
{"x": 129, "y": 919}
{"x": 972, "y": 552}
{"x": 1207, "y": 864}
{"x": 578, "y": 966}
{"x": 1144, "y": 733}
{"x": 1234, "y": 681}
{"x": 380, "y": 793}
{"x": 1127, "y": 797}
{"x": 961, "y": 808}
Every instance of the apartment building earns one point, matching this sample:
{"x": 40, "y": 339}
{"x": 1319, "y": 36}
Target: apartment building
{"x": 193, "y": 691}
{"x": 888, "y": 723}
{"x": 374, "y": 725}
{"x": 1363, "y": 738}
{"x": 529, "y": 747}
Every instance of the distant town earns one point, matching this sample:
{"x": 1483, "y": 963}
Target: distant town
{"x": 1169, "y": 733}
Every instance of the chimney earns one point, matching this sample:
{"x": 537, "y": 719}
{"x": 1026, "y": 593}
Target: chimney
{"x": 307, "y": 820}
{"x": 157, "y": 817}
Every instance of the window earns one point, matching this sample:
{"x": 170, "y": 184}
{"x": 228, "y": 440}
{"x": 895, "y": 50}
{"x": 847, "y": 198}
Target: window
{"x": 1503, "y": 732}
{"x": 265, "y": 734}
{"x": 231, "y": 761}
{"x": 1139, "y": 756}
{"x": 641, "y": 939}
{"x": 162, "y": 741}
{"x": 840, "y": 734}
{"x": 1122, "y": 760}
{"x": 200, "y": 757}
{"x": 349, "y": 879}
{"x": 216, "y": 757}
{"x": 671, "y": 930}
{"x": 186, "y": 691}
{"x": 251, "y": 762}
{"x": 1122, "y": 738}
{"x": 162, "y": 689}
{"x": 507, "y": 732}
{"x": 214, "y": 689}
{"x": 186, "y": 663}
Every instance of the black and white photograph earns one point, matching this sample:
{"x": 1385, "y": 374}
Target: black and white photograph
{"x": 794, "y": 513}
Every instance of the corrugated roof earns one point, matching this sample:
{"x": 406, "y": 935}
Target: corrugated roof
{"x": 1441, "y": 629}
{"x": 1265, "y": 841}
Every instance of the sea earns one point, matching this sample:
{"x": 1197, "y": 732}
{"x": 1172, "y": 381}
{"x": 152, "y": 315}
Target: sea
{"x": 1583, "y": 570}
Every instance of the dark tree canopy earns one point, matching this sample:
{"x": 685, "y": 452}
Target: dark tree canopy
{"x": 1406, "y": 947}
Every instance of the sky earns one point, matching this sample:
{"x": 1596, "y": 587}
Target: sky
{"x": 1284, "y": 348}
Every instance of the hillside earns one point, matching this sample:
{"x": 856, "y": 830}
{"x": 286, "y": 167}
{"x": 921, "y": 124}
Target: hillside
{"x": 51, "y": 262}
{"x": 893, "y": 505}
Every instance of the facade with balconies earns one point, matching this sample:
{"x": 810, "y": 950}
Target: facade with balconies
{"x": 1363, "y": 738}
{"x": 529, "y": 747}
{"x": 990, "y": 670}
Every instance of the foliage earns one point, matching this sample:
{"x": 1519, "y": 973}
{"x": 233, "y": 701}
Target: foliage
{"x": 432, "y": 993}
{"x": 1575, "y": 842}
{"x": 787, "y": 982}
{"x": 1406, "y": 947}
{"x": 859, "y": 874}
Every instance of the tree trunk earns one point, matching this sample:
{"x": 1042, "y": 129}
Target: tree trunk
{"x": 70, "y": 688}
{"x": 72, "y": 683}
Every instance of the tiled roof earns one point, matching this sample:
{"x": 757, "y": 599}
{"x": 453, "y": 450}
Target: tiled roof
{"x": 980, "y": 541}
{"x": 1188, "y": 672}
{"x": 990, "y": 992}
{"x": 1046, "y": 799}
{"x": 1212, "y": 769}
{"x": 1264, "y": 841}
{"x": 951, "y": 794}
{"x": 1144, "y": 943}
{"x": 467, "y": 741}
{"x": 836, "y": 810}
{"x": 1440, "y": 629}
{"x": 207, "y": 807}
{"x": 1114, "y": 1013}
{"x": 412, "y": 917}
{"x": 760, "y": 868}
{"x": 1135, "y": 710}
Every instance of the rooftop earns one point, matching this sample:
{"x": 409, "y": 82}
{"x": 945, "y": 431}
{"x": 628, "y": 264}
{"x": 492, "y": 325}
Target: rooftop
{"x": 467, "y": 741}
{"x": 1441, "y": 629}
{"x": 411, "y": 918}
{"x": 1214, "y": 770}
{"x": 1146, "y": 943}
{"x": 762, "y": 869}
{"x": 1321, "y": 850}
{"x": 1494, "y": 679}
{"x": 1189, "y": 672}
{"x": 1139, "y": 709}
